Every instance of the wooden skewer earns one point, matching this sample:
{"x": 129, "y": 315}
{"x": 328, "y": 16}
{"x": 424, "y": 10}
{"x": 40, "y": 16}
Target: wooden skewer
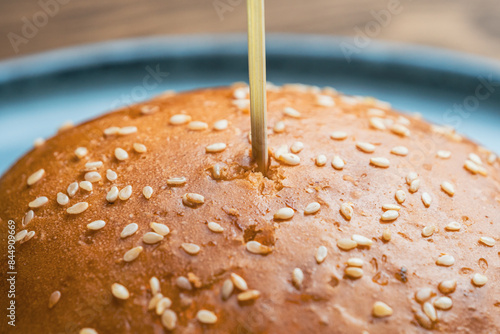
{"x": 257, "y": 76}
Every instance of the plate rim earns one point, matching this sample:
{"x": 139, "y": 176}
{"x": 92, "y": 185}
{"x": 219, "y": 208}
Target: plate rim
{"x": 278, "y": 44}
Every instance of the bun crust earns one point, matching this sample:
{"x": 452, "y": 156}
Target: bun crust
{"x": 291, "y": 286}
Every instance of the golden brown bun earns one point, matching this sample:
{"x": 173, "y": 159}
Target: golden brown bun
{"x": 65, "y": 256}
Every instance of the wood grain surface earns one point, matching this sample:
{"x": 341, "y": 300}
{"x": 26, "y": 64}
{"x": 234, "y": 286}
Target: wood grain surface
{"x": 29, "y": 26}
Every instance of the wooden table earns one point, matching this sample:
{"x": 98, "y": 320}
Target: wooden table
{"x": 472, "y": 26}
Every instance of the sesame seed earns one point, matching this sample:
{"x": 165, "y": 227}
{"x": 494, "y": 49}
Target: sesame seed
{"x": 427, "y": 231}
{"x": 72, "y": 189}
{"x": 346, "y": 210}
{"x": 248, "y": 295}
{"x": 346, "y": 244}
{"x": 149, "y": 109}
{"x": 92, "y": 177}
{"x": 147, "y": 191}
{"x": 447, "y": 286}
{"x": 221, "y": 125}
{"x": 38, "y": 202}
{"x": 129, "y": 230}
{"x": 445, "y": 260}
{"x": 487, "y": 241}
{"x": 183, "y": 283}
{"x": 227, "y": 289}
{"x": 279, "y": 127}
{"x": 362, "y": 240}
{"x": 443, "y": 303}
{"x": 214, "y": 227}
{"x": 54, "y": 298}
{"x": 377, "y": 123}
{"x": 414, "y": 186}
{"x": 426, "y": 199}
{"x": 256, "y": 247}
{"x": 152, "y": 238}
{"x": 96, "y": 225}
{"x": 290, "y": 159}
{"x": 453, "y": 226}
{"x": 379, "y": 162}
{"x": 338, "y": 163}
{"x": 36, "y": 176}
{"x": 353, "y": 272}
{"x": 180, "y": 119}
{"x": 112, "y": 194}
{"x": 239, "y": 282}
{"x": 400, "y": 150}
{"x": 424, "y": 294}
{"x": 176, "y": 181}
{"x": 121, "y": 154}
{"x": 365, "y": 147}
{"x": 400, "y": 130}
{"x": 410, "y": 177}
{"x": 62, "y": 199}
{"x": 111, "y": 175}
{"x": 191, "y": 199}
{"x": 400, "y": 196}
{"x": 475, "y": 159}
{"x": 77, "y": 208}
{"x": 320, "y": 160}
{"x": 191, "y": 249}
{"x": 125, "y": 193}
{"x": 215, "y": 148}
{"x": 375, "y": 112}
{"x": 65, "y": 126}
{"x": 161, "y": 229}
{"x": 290, "y": 112}
{"x": 86, "y": 185}
{"x": 127, "y": 130}
{"x": 132, "y": 254}
{"x": 93, "y": 165}
{"x": 243, "y": 105}
{"x": 20, "y": 235}
{"x": 197, "y": 126}
{"x": 325, "y": 101}
{"x": 38, "y": 142}
{"x": 28, "y": 217}
{"x": 30, "y": 235}
{"x": 140, "y": 148}
{"x": 297, "y": 278}
{"x": 312, "y": 208}
{"x": 119, "y": 291}
{"x": 154, "y": 282}
{"x": 162, "y": 305}
{"x": 321, "y": 254}
{"x": 206, "y": 317}
{"x": 355, "y": 262}
{"x": 443, "y": 154}
{"x": 111, "y": 131}
{"x": 297, "y": 147}
{"x": 284, "y": 213}
{"x": 241, "y": 92}
{"x": 471, "y": 167}
{"x": 492, "y": 158}
{"x": 87, "y": 331}
{"x": 429, "y": 311}
{"x": 479, "y": 279}
{"x": 391, "y": 207}
{"x": 338, "y": 135}
{"x": 386, "y": 235}
{"x": 381, "y": 309}
{"x": 448, "y": 188}
{"x": 390, "y": 215}
{"x": 283, "y": 149}
{"x": 169, "y": 319}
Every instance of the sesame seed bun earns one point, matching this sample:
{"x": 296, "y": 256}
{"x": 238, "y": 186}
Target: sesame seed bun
{"x": 152, "y": 218}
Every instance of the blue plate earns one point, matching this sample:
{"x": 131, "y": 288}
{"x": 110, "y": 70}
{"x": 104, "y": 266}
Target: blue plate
{"x": 38, "y": 93}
